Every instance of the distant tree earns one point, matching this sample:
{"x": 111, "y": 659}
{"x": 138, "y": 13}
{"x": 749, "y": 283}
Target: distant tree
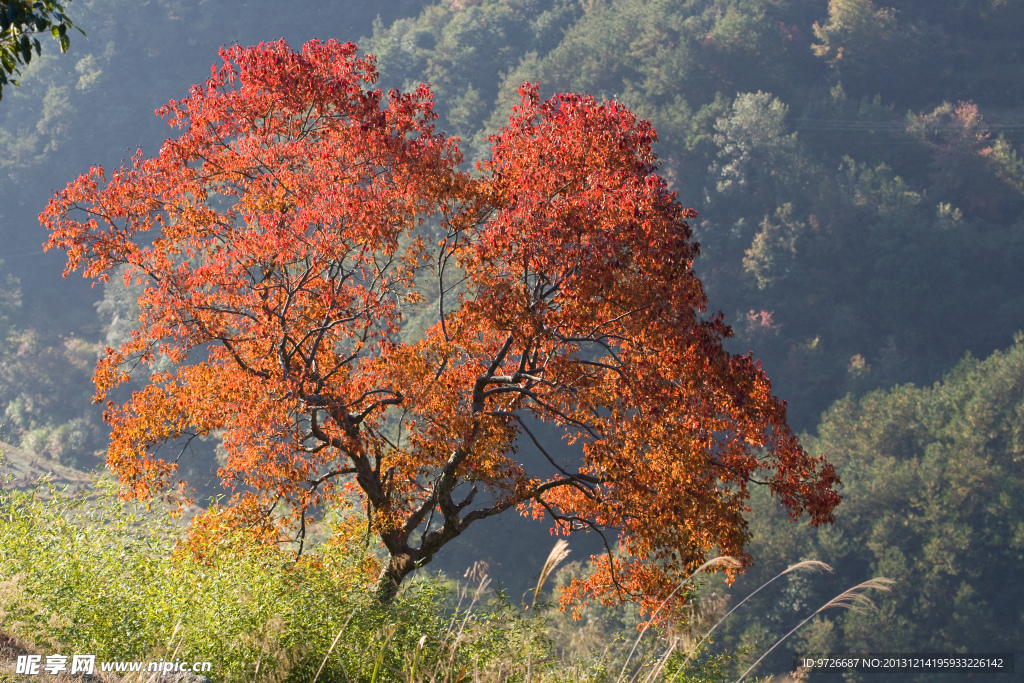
{"x": 462, "y": 48}
{"x": 754, "y": 149}
{"x": 966, "y": 168}
{"x": 287, "y": 234}
{"x": 20, "y": 21}
{"x": 855, "y": 28}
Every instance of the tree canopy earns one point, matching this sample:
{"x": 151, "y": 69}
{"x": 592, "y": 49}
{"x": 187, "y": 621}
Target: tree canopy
{"x": 20, "y": 20}
{"x": 301, "y": 217}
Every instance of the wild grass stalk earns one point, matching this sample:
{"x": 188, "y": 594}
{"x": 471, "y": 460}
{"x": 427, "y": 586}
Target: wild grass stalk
{"x": 416, "y": 658}
{"x": 806, "y": 564}
{"x": 555, "y": 558}
{"x": 729, "y": 562}
{"x": 477, "y": 571}
{"x": 852, "y": 598}
{"x": 333, "y": 644}
{"x": 653, "y": 674}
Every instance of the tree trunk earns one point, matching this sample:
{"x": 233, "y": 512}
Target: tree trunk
{"x": 398, "y": 567}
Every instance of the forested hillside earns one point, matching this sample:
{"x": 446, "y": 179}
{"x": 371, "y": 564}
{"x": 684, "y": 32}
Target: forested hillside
{"x": 857, "y": 169}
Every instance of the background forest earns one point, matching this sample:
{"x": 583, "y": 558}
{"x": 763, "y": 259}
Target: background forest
{"x": 859, "y": 181}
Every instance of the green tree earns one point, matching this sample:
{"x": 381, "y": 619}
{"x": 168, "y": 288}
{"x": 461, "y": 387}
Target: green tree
{"x": 754, "y": 149}
{"x": 20, "y": 22}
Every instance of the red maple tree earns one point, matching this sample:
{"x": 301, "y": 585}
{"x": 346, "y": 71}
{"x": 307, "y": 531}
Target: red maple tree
{"x": 301, "y": 220}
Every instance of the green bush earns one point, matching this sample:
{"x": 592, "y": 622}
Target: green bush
{"x": 95, "y": 576}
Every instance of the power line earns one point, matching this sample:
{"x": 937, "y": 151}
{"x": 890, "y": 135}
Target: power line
{"x": 900, "y": 126}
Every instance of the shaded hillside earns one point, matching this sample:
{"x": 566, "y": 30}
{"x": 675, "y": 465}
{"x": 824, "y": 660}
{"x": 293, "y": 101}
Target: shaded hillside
{"x": 933, "y": 481}
{"x": 26, "y": 468}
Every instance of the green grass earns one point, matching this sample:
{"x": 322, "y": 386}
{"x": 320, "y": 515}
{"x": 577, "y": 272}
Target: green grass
{"x": 89, "y": 574}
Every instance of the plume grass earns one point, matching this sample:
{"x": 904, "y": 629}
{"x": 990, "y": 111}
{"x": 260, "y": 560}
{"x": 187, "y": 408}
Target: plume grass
{"x": 725, "y": 560}
{"x": 806, "y": 564}
{"x": 555, "y": 558}
{"x": 852, "y": 598}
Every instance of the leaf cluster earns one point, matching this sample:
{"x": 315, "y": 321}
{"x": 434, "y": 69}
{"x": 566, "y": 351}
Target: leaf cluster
{"x": 20, "y": 20}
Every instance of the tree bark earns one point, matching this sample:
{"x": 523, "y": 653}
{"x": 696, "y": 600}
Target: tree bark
{"x": 399, "y": 566}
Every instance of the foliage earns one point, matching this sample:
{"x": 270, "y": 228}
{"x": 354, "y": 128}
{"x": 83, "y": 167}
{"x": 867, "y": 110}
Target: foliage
{"x": 460, "y": 48}
{"x": 10, "y": 301}
{"x": 38, "y": 414}
{"x": 20, "y": 20}
{"x": 288, "y": 242}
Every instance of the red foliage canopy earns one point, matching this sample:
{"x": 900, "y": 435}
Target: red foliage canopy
{"x": 301, "y": 223}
